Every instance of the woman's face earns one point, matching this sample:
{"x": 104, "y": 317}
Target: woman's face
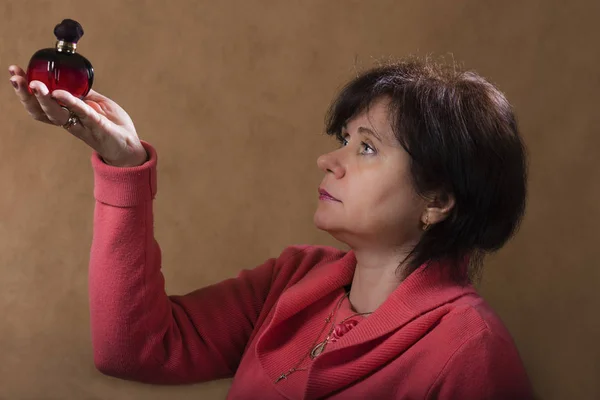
{"x": 370, "y": 178}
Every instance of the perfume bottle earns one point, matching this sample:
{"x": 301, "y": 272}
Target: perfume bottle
{"x": 61, "y": 67}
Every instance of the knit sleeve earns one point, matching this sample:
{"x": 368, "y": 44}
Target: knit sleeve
{"x": 483, "y": 367}
{"x": 140, "y": 333}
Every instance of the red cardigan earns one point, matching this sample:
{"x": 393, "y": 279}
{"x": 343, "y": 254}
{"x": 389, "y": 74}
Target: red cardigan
{"x": 431, "y": 339}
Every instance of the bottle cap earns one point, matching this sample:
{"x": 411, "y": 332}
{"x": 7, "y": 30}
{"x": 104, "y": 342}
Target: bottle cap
{"x": 68, "y": 31}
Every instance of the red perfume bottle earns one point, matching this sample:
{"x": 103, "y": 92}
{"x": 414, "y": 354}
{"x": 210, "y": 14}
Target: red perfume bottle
{"x": 61, "y": 67}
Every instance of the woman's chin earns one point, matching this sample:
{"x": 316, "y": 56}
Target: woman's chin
{"x": 325, "y": 222}
{"x": 322, "y": 221}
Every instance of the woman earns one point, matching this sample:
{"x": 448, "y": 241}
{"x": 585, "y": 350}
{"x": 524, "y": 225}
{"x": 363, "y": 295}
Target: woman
{"x": 429, "y": 176}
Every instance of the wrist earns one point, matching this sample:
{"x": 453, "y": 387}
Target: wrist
{"x": 128, "y": 163}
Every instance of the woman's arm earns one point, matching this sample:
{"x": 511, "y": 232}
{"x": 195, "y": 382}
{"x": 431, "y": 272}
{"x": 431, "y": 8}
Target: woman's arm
{"x": 140, "y": 333}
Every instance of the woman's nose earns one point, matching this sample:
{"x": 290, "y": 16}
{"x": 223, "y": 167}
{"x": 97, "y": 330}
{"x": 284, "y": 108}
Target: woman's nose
{"x": 329, "y": 163}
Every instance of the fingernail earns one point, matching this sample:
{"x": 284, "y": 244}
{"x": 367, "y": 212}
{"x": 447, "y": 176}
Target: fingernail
{"x": 35, "y": 91}
{"x": 15, "y": 84}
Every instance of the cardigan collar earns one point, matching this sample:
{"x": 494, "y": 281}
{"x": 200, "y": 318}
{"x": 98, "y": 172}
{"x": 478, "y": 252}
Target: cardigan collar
{"x": 424, "y": 290}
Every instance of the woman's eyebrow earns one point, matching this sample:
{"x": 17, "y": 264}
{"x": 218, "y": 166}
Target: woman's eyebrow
{"x": 365, "y": 131}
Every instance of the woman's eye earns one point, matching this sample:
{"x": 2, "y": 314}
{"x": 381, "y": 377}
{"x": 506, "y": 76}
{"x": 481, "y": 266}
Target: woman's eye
{"x": 342, "y": 140}
{"x": 367, "y": 149}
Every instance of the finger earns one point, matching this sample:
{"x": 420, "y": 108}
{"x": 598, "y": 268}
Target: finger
{"x": 93, "y": 128}
{"x": 16, "y": 70}
{"x": 81, "y": 132}
{"x": 53, "y": 111}
{"x": 81, "y": 114}
{"x": 93, "y": 137}
{"x": 106, "y": 105}
{"x": 86, "y": 114}
{"x": 95, "y": 96}
{"x": 95, "y": 106}
{"x": 32, "y": 106}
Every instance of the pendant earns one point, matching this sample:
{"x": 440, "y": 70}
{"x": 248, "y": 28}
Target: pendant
{"x": 318, "y": 349}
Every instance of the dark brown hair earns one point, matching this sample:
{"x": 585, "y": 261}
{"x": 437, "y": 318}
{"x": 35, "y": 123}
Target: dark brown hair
{"x": 462, "y": 137}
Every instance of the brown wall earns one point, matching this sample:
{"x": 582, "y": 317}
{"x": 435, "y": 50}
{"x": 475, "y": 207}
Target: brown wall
{"x": 233, "y": 94}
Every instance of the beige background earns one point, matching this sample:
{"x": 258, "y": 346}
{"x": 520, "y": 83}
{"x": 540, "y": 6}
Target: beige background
{"x": 233, "y": 94}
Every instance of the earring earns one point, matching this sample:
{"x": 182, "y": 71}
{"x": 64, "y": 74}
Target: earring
{"x": 426, "y": 226}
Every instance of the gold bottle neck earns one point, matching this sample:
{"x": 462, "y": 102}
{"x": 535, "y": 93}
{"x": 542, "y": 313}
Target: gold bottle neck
{"x": 66, "y": 47}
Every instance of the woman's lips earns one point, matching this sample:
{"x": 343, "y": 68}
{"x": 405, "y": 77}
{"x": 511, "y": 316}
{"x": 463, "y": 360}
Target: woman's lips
{"x": 324, "y": 195}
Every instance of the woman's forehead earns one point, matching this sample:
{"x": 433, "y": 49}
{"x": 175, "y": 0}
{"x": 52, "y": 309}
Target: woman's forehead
{"x": 374, "y": 120}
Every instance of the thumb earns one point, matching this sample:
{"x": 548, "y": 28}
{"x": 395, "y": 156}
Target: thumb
{"x": 95, "y": 96}
{"x": 95, "y": 106}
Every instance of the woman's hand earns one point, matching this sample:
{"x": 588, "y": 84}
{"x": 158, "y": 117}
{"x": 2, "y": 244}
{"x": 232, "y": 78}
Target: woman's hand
{"x": 101, "y": 123}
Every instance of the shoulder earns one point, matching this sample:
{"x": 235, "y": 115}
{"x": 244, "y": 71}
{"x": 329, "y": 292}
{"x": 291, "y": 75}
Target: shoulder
{"x": 482, "y": 360}
{"x": 475, "y": 318}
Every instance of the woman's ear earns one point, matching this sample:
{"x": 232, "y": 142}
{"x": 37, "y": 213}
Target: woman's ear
{"x": 438, "y": 207}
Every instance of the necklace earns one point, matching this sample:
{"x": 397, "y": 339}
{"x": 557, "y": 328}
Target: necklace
{"x": 318, "y": 348}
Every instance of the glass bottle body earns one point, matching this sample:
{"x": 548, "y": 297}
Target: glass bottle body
{"x": 61, "y": 70}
